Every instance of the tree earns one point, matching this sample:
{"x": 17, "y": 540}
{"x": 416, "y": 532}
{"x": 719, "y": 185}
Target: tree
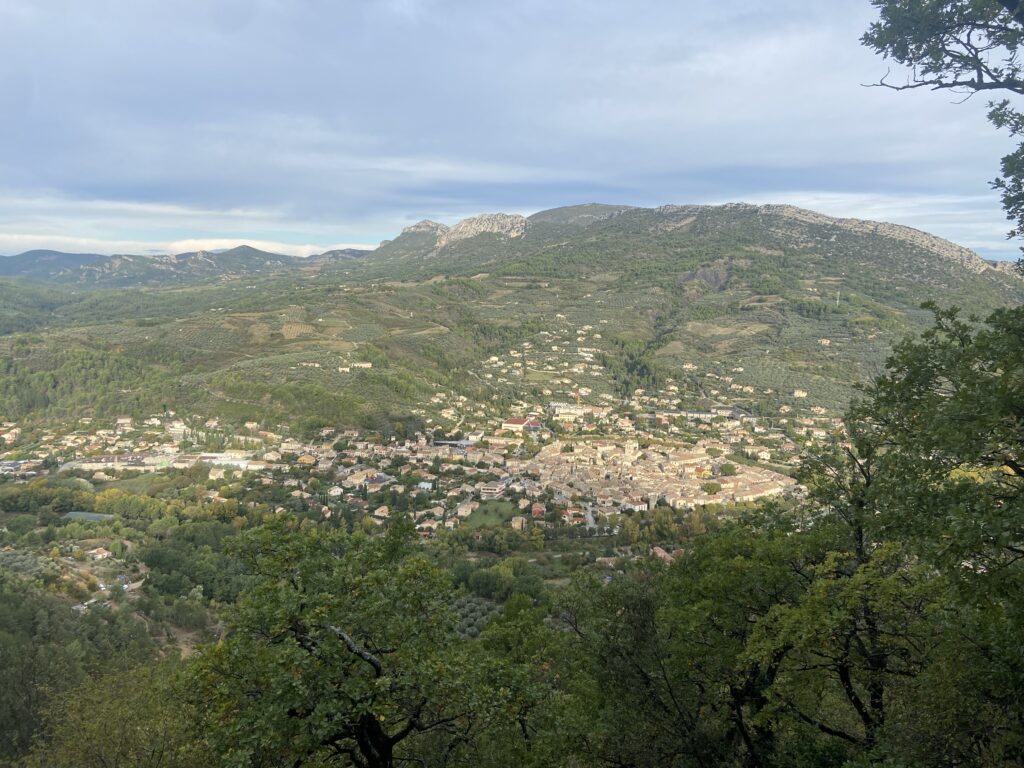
{"x": 914, "y": 622}
{"x": 342, "y": 652}
{"x": 130, "y": 719}
{"x": 950, "y": 409}
{"x": 661, "y": 649}
{"x": 967, "y": 47}
{"x": 46, "y": 649}
{"x": 858, "y": 635}
{"x": 516, "y": 657}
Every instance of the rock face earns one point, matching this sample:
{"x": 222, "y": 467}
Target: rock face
{"x": 965, "y": 257}
{"x": 426, "y": 226}
{"x": 503, "y": 224}
{"x": 1008, "y": 268}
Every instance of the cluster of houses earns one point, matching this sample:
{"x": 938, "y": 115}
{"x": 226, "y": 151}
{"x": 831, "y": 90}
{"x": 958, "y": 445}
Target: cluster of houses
{"x": 579, "y": 478}
{"x": 605, "y": 477}
{"x": 580, "y": 449}
{"x": 567, "y": 359}
{"x": 620, "y": 474}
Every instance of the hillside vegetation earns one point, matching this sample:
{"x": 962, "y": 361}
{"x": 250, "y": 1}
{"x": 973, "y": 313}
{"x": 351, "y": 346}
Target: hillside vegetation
{"x": 794, "y": 299}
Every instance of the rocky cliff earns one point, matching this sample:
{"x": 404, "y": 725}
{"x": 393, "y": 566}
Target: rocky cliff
{"x": 944, "y": 249}
{"x": 503, "y": 224}
{"x": 426, "y": 226}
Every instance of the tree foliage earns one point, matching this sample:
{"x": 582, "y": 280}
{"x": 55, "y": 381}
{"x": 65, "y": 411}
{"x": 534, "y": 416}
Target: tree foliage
{"x": 968, "y": 47}
{"x": 128, "y": 719}
{"x": 45, "y": 649}
{"x": 342, "y": 652}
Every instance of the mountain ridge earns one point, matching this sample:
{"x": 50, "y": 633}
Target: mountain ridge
{"x": 425, "y": 241}
{"x": 127, "y": 269}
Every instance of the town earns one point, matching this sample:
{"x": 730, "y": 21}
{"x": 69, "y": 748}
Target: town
{"x": 560, "y": 463}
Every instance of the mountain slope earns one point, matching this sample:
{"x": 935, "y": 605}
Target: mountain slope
{"x": 43, "y": 264}
{"x": 757, "y": 247}
{"x": 757, "y": 303}
{"x": 339, "y": 254}
{"x": 578, "y": 215}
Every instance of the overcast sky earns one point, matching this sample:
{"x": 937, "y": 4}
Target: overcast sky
{"x": 294, "y": 125}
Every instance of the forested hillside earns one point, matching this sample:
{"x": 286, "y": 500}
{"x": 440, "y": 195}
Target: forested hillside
{"x": 795, "y": 299}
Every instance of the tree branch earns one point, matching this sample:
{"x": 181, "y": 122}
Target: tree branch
{"x": 362, "y": 653}
{"x": 826, "y": 729}
{"x": 1010, "y": 84}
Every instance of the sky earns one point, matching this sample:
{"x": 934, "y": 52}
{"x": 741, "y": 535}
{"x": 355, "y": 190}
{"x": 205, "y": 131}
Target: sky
{"x": 299, "y": 125}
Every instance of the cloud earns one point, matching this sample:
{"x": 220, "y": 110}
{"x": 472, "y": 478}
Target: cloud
{"x": 314, "y": 122}
{"x": 113, "y": 226}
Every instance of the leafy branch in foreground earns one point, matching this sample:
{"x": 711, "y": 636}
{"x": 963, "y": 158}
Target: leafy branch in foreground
{"x": 967, "y": 47}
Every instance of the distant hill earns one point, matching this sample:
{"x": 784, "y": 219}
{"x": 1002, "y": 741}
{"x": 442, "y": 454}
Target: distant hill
{"x": 46, "y": 264}
{"x": 572, "y": 240}
{"x": 241, "y": 261}
{"x": 241, "y": 254}
{"x": 578, "y": 215}
{"x": 122, "y": 270}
